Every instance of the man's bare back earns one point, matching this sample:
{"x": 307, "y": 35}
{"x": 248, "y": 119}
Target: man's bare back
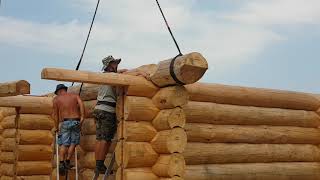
{"x": 67, "y": 106}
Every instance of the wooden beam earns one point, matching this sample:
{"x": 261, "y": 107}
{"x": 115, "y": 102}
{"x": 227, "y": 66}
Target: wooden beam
{"x": 138, "y": 86}
{"x": 14, "y": 88}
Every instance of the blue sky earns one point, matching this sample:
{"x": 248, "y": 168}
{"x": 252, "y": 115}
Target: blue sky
{"x": 259, "y": 43}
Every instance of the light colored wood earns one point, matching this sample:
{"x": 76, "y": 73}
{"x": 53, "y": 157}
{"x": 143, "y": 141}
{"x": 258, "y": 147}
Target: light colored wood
{"x": 139, "y": 109}
{"x": 7, "y": 178}
{"x": 30, "y": 168}
{"x": 9, "y": 133}
{"x": 88, "y": 160}
{"x": 9, "y": 122}
{"x": 33, "y": 177}
{"x": 35, "y": 122}
{"x": 246, "y": 96}
{"x": 8, "y": 145}
{"x": 88, "y": 91}
{"x": 188, "y": 68}
{"x": 135, "y": 154}
{"x": 205, "y": 153}
{"x": 7, "y": 157}
{"x": 40, "y": 104}
{"x": 204, "y": 112}
{"x": 260, "y": 171}
{"x": 87, "y": 174}
{"x": 7, "y": 169}
{"x": 71, "y": 175}
{"x": 172, "y": 178}
{"x": 136, "y": 174}
{"x": 169, "y": 165}
{"x": 137, "y": 131}
{"x": 169, "y": 118}
{"x": 89, "y": 108}
{"x": 170, "y": 141}
{"x": 30, "y": 137}
{"x": 34, "y": 152}
{"x": 208, "y": 133}
{"x": 87, "y": 143}
{"x": 5, "y": 111}
{"x": 14, "y": 88}
{"x": 171, "y": 97}
{"x": 138, "y": 86}
{"x": 88, "y": 127}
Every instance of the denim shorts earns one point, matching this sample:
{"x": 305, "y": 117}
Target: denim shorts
{"x": 69, "y": 133}
{"x": 106, "y": 125}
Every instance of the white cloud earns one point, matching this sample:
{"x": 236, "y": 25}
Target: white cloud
{"x": 278, "y": 12}
{"x": 134, "y": 30}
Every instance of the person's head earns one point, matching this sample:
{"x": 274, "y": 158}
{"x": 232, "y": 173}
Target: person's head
{"x": 61, "y": 89}
{"x": 110, "y": 64}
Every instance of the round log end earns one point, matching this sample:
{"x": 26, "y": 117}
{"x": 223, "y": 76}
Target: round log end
{"x": 170, "y": 165}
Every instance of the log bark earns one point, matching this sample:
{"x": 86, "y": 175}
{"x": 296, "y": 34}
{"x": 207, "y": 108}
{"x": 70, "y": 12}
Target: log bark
{"x": 136, "y": 174}
{"x": 169, "y": 118}
{"x": 89, "y": 127}
{"x": 31, "y": 137}
{"x": 204, "y": 153}
{"x": 170, "y": 141}
{"x": 138, "y": 86}
{"x": 30, "y": 168}
{"x": 135, "y": 154}
{"x": 139, "y": 109}
{"x": 245, "y": 96}
{"x": 204, "y": 112}
{"x": 14, "y": 88}
{"x": 169, "y": 165}
{"x": 254, "y": 171}
{"x": 137, "y": 131}
{"x": 7, "y": 169}
{"x": 171, "y": 97}
{"x": 34, "y": 152}
{"x": 188, "y": 69}
{"x": 7, "y": 157}
{"x": 28, "y": 104}
{"x": 208, "y": 133}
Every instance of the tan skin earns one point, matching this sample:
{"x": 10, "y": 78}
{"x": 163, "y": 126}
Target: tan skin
{"x": 67, "y": 106}
{"x": 102, "y": 146}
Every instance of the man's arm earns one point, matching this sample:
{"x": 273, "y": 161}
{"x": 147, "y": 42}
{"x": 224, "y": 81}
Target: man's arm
{"x": 55, "y": 114}
{"x": 82, "y": 110}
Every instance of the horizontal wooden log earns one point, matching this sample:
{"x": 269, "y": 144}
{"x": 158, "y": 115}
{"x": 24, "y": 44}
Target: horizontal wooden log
{"x": 88, "y": 127}
{"x": 29, "y": 104}
{"x": 88, "y": 91}
{"x": 254, "y": 171}
{"x": 136, "y": 174}
{"x": 171, "y": 97}
{"x": 35, "y": 122}
{"x": 7, "y": 169}
{"x": 135, "y": 154}
{"x": 34, "y": 152}
{"x": 204, "y": 153}
{"x": 14, "y": 88}
{"x": 172, "y": 178}
{"x": 9, "y": 133}
{"x": 30, "y": 168}
{"x": 89, "y": 108}
{"x": 7, "y": 178}
{"x": 87, "y": 174}
{"x": 5, "y": 111}
{"x": 170, "y": 141}
{"x": 8, "y": 145}
{"x": 138, "y": 86}
{"x": 137, "y": 131}
{"x": 71, "y": 175}
{"x": 188, "y": 69}
{"x": 169, "y": 165}
{"x": 139, "y": 109}
{"x": 89, "y": 161}
{"x": 33, "y": 177}
{"x": 204, "y": 112}
{"x": 208, "y": 133}
{"x": 30, "y": 137}
{"x": 246, "y": 96}
{"x": 7, "y": 157}
{"x": 169, "y": 118}
{"x": 87, "y": 143}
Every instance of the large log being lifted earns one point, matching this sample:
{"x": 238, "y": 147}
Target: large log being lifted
{"x": 138, "y": 86}
{"x": 246, "y": 96}
{"x": 14, "y": 88}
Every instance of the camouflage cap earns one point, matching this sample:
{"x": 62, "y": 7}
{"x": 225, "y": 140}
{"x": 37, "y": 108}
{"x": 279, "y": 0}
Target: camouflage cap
{"x": 107, "y": 60}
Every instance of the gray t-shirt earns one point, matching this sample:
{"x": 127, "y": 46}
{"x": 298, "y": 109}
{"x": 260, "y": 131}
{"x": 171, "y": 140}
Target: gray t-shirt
{"x": 108, "y": 94}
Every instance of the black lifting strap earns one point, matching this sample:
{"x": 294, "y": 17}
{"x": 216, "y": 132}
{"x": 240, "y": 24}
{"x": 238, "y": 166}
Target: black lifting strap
{"x": 172, "y": 73}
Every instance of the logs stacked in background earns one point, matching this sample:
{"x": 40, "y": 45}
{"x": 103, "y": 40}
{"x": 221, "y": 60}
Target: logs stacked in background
{"x": 27, "y": 146}
{"x": 250, "y": 133}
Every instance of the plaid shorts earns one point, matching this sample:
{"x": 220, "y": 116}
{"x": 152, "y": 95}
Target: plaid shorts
{"x": 106, "y": 125}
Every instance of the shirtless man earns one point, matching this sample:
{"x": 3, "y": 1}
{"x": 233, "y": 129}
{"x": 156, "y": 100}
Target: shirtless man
{"x": 68, "y": 113}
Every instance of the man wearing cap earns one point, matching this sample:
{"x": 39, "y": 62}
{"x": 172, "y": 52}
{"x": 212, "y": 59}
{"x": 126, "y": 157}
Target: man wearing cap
{"x": 68, "y": 113}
